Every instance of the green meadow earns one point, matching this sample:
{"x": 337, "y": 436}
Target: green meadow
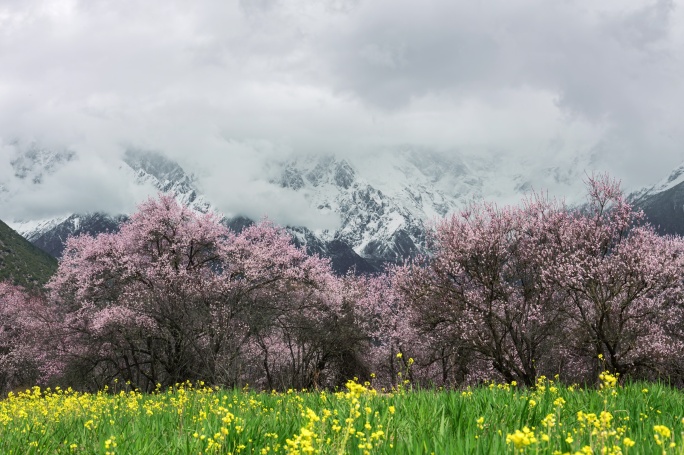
{"x": 638, "y": 418}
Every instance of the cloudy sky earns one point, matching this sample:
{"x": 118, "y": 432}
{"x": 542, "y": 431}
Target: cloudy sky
{"x": 224, "y": 86}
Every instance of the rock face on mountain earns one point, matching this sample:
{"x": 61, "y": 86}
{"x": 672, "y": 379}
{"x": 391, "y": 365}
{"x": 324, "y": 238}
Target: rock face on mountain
{"x": 379, "y": 227}
{"x": 165, "y": 175}
{"x": 342, "y": 257}
{"x": 36, "y": 163}
{"x": 51, "y": 237}
{"x": 663, "y": 203}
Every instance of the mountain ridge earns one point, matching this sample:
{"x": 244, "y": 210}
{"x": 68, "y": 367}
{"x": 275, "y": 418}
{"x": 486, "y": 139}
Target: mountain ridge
{"x": 385, "y": 202}
{"x": 164, "y": 175}
{"x": 663, "y": 203}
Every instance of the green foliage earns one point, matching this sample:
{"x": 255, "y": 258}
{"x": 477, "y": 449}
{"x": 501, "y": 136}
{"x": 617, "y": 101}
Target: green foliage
{"x": 548, "y": 419}
{"x": 21, "y": 262}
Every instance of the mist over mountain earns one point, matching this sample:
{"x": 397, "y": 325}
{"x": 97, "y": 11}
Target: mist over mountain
{"x": 381, "y": 204}
{"x": 153, "y": 172}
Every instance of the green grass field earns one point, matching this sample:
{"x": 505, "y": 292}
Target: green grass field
{"x": 552, "y": 419}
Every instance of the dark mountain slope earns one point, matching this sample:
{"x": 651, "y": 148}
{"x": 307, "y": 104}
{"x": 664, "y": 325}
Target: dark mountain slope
{"x": 21, "y": 262}
{"x": 665, "y": 210}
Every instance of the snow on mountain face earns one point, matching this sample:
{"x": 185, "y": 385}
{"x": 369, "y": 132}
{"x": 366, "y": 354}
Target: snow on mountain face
{"x": 147, "y": 169}
{"x": 386, "y": 201}
{"x": 675, "y": 178}
{"x": 31, "y": 165}
{"x": 663, "y": 203}
{"x": 162, "y": 174}
{"x": 35, "y": 163}
{"x": 378, "y": 226}
{"x": 51, "y": 235}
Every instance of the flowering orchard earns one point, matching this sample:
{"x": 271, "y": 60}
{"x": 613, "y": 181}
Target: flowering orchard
{"x": 506, "y": 294}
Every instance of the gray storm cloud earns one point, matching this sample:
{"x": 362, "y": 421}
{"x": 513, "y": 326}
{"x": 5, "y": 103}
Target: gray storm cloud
{"x": 228, "y": 87}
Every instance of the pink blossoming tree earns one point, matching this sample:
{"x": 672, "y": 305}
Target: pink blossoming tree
{"x": 26, "y": 335}
{"x": 540, "y": 289}
{"x": 174, "y": 295}
{"x": 622, "y": 284}
{"x": 482, "y": 291}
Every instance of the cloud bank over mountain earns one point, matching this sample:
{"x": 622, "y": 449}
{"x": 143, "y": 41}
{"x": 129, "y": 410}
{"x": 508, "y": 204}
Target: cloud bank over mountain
{"x": 227, "y": 88}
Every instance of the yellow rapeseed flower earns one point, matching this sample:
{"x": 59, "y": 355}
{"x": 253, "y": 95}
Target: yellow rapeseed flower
{"x": 549, "y": 421}
{"x": 521, "y": 439}
{"x": 663, "y": 431}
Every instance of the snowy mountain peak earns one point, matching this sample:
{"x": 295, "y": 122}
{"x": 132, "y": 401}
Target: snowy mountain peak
{"x": 165, "y": 175}
{"x": 675, "y": 178}
{"x": 34, "y": 163}
{"x": 316, "y": 172}
{"x": 382, "y": 211}
{"x": 158, "y": 166}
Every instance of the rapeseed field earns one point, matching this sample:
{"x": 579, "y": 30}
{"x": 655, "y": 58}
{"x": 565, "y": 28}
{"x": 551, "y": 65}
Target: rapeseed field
{"x": 551, "y": 418}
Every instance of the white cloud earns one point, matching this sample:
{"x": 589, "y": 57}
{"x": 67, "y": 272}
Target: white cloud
{"x": 224, "y": 87}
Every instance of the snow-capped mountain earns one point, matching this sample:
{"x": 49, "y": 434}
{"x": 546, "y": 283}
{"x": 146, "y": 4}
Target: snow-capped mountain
{"x": 384, "y": 201}
{"x": 373, "y": 223}
{"x": 144, "y": 168}
{"x": 380, "y": 219}
{"x": 35, "y": 163}
{"x": 156, "y": 171}
{"x": 663, "y": 203}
